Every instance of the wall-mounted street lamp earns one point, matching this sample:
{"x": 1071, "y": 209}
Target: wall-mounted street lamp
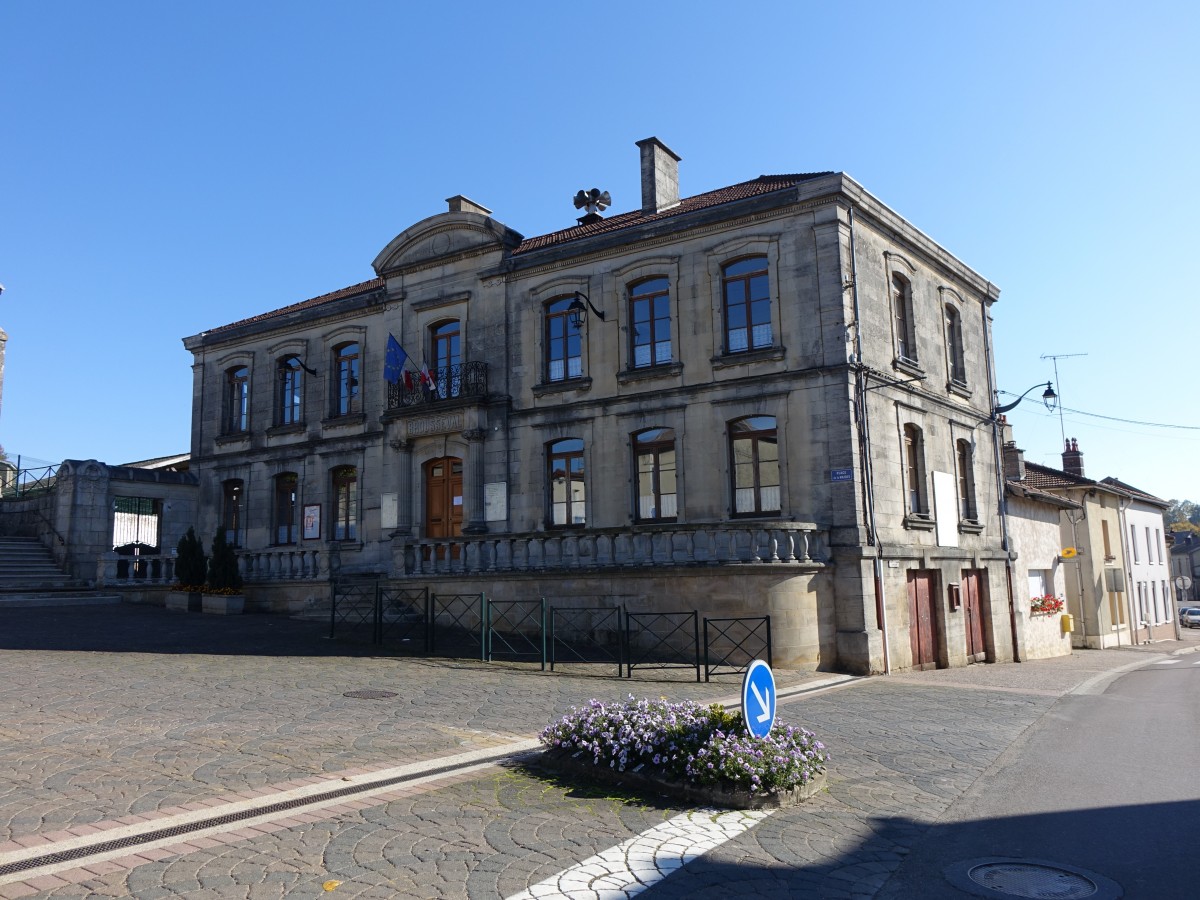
{"x": 1048, "y": 397}
{"x": 577, "y": 312}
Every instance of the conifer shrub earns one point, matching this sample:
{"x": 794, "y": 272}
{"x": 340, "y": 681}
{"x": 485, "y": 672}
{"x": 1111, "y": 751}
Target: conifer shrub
{"x": 191, "y": 565}
{"x": 223, "y": 575}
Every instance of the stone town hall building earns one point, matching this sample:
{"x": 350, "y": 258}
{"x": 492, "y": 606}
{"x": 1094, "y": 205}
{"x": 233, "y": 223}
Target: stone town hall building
{"x": 770, "y": 398}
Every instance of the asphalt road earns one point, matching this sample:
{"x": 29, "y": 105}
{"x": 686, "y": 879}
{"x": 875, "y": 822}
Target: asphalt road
{"x": 1104, "y": 782}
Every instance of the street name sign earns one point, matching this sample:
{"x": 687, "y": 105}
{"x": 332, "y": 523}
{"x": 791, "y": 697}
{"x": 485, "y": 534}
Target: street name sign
{"x": 758, "y": 698}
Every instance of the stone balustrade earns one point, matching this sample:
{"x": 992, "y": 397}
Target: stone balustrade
{"x": 114, "y": 570}
{"x": 256, "y": 566}
{"x": 789, "y": 543}
{"x": 281, "y": 564}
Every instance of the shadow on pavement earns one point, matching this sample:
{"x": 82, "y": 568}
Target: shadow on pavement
{"x": 152, "y": 629}
{"x": 1137, "y": 847}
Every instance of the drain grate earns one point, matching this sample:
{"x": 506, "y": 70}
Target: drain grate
{"x": 1020, "y": 879}
{"x": 369, "y": 695}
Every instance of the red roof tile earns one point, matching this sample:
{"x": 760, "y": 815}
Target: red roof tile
{"x": 764, "y": 184}
{"x": 1045, "y": 477}
{"x": 360, "y": 288}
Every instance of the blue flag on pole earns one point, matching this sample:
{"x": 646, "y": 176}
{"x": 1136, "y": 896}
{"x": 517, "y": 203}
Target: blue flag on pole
{"x": 393, "y": 363}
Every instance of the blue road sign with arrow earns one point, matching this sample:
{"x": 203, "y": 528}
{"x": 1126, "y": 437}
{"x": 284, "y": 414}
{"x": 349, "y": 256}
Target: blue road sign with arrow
{"x": 758, "y": 698}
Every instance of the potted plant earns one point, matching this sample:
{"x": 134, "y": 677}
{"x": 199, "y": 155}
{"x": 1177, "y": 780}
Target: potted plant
{"x": 191, "y": 569}
{"x": 223, "y": 591}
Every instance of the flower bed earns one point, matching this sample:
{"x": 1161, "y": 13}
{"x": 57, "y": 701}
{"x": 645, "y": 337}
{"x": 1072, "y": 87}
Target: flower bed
{"x": 688, "y": 750}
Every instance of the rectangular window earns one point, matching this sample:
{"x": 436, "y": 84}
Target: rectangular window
{"x": 654, "y": 460}
{"x": 231, "y": 511}
{"x": 345, "y": 503}
{"x": 650, "y": 320}
{"x": 1041, "y": 582}
{"x": 237, "y": 400}
{"x": 1158, "y": 543}
{"x": 914, "y": 471}
{"x": 291, "y": 386}
{"x": 754, "y": 455}
{"x": 1133, "y": 547}
{"x": 1108, "y": 554}
{"x": 564, "y": 471}
{"x": 564, "y": 343}
{"x": 285, "y": 508}
{"x": 346, "y": 386}
{"x": 747, "y": 294}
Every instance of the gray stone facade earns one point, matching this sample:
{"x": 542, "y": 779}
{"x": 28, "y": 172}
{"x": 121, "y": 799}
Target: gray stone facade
{"x": 827, "y": 546}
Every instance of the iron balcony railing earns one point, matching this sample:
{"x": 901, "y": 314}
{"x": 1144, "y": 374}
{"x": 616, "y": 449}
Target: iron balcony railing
{"x": 464, "y": 381}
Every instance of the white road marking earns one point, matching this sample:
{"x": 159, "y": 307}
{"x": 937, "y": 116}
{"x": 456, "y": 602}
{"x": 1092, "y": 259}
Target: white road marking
{"x": 1166, "y": 662}
{"x": 641, "y": 862}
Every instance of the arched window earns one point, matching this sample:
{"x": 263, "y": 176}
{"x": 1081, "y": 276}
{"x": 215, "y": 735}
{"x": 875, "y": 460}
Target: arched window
{"x": 447, "y": 358}
{"x": 232, "y": 495}
{"x": 290, "y": 380}
{"x": 237, "y": 399}
{"x": 650, "y": 323}
{"x": 346, "y": 383}
{"x": 754, "y": 456}
{"x": 914, "y": 473}
{"x": 965, "y": 462}
{"x": 565, "y": 484}
{"x": 902, "y": 308}
{"x": 563, "y": 343}
{"x": 345, "y": 503}
{"x": 956, "y": 361}
{"x": 655, "y": 474}
{"x": 285, "y": 508}
{"x": 746, "y": 288}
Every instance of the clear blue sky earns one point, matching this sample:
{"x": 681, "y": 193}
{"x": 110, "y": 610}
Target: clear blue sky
{"x": 167, "y": 167}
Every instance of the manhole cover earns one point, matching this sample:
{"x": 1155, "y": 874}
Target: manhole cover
{"x": 376, "y": 695}
{"x": 1032, "y": 880}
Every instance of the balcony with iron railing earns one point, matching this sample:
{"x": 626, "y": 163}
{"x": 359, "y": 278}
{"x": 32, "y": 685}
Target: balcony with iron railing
{"x": 450, "y": 385}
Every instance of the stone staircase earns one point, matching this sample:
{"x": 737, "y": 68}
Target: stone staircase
{"x": 29, "y": 576}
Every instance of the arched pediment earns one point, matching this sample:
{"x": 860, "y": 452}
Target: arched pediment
{"x": 444, "y": 236}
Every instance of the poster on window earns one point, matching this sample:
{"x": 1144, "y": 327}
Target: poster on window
{"x": 312, "y": 521}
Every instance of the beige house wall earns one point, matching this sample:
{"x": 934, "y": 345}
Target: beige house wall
{"x": 831, "y": 379}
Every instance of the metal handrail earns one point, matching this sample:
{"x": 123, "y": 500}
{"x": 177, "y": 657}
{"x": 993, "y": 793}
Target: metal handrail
{"x": 465, "y": 380}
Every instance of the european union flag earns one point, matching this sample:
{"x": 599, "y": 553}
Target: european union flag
{"x": 393, "y": 362}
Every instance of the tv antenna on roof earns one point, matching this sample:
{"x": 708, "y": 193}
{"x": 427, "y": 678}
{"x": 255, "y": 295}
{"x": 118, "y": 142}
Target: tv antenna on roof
{"x": 1055, "y": 357}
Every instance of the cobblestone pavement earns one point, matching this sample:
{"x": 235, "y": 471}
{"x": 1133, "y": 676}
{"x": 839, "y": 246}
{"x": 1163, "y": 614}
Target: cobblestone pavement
{"x": 127, "y": 725}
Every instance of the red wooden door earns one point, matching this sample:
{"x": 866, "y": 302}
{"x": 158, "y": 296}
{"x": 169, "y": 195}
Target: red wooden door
{"x": 922, "y": 619}
{"x": 972, "y": 596}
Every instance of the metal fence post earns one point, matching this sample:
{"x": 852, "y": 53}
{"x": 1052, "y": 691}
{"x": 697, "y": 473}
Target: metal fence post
{"x": 485, "y": 638}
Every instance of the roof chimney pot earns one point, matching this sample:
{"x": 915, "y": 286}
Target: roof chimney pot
{"x": 660, "y": 176}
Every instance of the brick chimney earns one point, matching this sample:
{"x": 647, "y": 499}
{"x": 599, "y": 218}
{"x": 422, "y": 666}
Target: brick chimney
{"x": 660, "y": 176}
{"x": 1014, "y": 462}
{"x": 1072, "y": 458}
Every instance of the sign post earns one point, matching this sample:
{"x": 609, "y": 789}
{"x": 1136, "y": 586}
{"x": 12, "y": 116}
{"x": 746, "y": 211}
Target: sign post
{"x": 758, "y": 699}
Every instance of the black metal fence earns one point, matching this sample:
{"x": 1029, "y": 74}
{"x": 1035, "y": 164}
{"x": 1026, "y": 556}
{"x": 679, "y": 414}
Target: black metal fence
{"x": 470, "y": 626}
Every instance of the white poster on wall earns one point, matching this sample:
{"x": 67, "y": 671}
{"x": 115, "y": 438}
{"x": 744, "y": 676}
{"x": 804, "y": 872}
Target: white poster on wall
{"x": 495, "y": 501}
{"x": 945, "y": 509}
{"x": 388, "y": 510}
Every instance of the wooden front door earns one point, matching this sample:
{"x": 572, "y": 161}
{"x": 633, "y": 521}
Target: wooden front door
{"x": 922, "y": 617}
{"x": 973, "y": 607}
{"x": 443, "y": 497}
